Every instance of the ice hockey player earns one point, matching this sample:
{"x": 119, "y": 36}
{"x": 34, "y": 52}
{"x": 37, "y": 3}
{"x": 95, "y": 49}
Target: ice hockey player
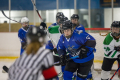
{"x": 54, "y": 33}
{"x": 36, "y": 63}
{"x": 58, "y": 15}
{"x": 22, "y": 33}
{"x": 75, "y": 44}
{"x": 111, "y": 50}
{"x": 76, "y": 25}
{"x": 79, "y": 28}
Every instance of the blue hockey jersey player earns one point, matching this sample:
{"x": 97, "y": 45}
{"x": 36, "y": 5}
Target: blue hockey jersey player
{"x": 79, "y": 28}
{"x": 81, "y": 45}
{"x": 76, "y": 25}
{"x": 22, "y": 33}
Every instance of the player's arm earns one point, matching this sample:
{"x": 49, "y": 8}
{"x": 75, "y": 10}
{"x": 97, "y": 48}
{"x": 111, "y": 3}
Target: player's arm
{"x": 88, "y": 45}
{"x": 49, "y": 45}
{"x": 49, "y": 71}
{"x": 60, "y": 46}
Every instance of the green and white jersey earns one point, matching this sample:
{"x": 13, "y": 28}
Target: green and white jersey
{"x": 109, "y": 44}
{"x": 54, "y": 34}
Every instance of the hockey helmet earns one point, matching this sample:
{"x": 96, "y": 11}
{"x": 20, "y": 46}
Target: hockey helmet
{"x": 58, "y": 15}
{"x": 35, "y": 34}
{"x": 24, "y": 19}
{"x": 62, "y": 19}
{"x": 67, "y": 25}
{"x": 75, "y": 16}
{"x": 117, "y": 25}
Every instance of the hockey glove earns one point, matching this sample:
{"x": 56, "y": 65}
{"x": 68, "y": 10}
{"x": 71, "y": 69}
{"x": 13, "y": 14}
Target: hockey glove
{"x": 55, "y": 50}
{"x": 23, "y": 45}
{"x": 63, "y": 59}
{"x": 43, "y": 25}
{"x": 117, "y": 48}
{"x": 83, "y": 52}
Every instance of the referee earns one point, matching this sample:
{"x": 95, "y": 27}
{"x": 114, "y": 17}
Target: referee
{"x": 36, "y": 63}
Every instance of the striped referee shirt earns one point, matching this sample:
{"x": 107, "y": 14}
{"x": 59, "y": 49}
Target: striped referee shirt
{"x": 31, "y": 67}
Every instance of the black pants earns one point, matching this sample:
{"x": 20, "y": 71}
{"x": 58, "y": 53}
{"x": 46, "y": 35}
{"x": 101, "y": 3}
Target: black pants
{"x": 108, "y": 63}
{"x": 82, "y": 68}
{"x": 56, "y": 58}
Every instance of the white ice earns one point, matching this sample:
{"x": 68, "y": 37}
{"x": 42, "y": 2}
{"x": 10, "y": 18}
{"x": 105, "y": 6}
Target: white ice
{"x": 4, "y": 76}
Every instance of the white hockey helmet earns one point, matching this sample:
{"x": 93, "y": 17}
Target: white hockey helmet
{"x": 24, "y": 19}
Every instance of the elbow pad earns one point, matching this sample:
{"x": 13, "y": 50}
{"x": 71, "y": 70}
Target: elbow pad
{"x": 91, "y": 43}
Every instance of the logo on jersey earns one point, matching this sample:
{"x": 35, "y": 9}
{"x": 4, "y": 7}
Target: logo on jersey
{"x": 73, "y": 40}
{"x": 79, "y": 31}
{"x": 88, "y": 37}
{"x": 72, "y": 50}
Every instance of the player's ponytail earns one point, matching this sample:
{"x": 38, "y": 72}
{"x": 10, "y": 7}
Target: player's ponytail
{"x": 33, "y": 47}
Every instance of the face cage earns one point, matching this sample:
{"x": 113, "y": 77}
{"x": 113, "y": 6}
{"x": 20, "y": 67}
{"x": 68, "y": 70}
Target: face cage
{"x": 115, "y": 34}
{"x": 25, "y": 23}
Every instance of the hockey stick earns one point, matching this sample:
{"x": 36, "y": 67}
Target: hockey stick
{"x": 8, "y": 17}
{"x": 36, "y": 10}
{"x": 42, "y": 21}
{"x": 59, "y": 62}
{"x": 114, "y": 73}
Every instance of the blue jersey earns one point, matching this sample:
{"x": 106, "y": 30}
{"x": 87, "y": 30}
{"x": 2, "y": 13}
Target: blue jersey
{"x": 49, "y": 45}
{"x": 73, "y": 44}
{"x": 22, "y": 36}
{"x": 54, "y": 24}
{"x": 79, "y": 29}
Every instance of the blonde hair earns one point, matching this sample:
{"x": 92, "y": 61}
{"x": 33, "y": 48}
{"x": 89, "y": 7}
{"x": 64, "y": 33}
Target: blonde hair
{"x": 33, "y": 47}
